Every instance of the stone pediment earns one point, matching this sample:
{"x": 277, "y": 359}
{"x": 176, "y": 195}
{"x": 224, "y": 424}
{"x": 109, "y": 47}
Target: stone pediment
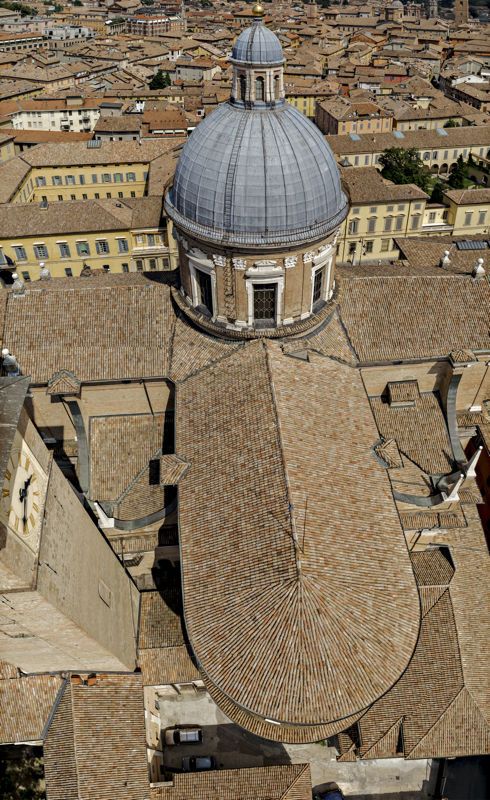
{"x": 63, "y": 383}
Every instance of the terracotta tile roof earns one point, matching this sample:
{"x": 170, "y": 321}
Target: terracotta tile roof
{"x": 366, "y": 185}
{"x": 164, "y": 665}
{"x": 474, "y": 136}
{"x": 70, "y": 154}
{"x": 162, "y": 652}
{"x": 448, "y": 674}
{"x": 420, "y": 431}
{"x": 330, "y": 340}
{"x": 26, "y": 702}
{"x": 400, "y": 318}
{"x": 115, "y": 461}
{"x": 286, "y": 782}
{"x": 108, "y": 328}
{"x": 193, "y": 350}
{"x": 95, "y": 748}
{"x": 245, "y": 593}
{"x": 79, "y": 217}
{"x": 424, "y": 255}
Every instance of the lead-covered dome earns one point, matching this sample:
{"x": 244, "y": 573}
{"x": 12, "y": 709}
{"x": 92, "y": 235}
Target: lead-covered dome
{"x": 250, "y": 177}
{"x": 257, "y": 45}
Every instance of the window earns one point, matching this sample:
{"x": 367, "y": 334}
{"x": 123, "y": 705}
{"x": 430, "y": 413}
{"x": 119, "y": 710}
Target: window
{"x": 385, "y": 245}
{"x": 73, "y": 197}
{"x": 276, "y": 87}
{"x": 482, "y": 215}
{"x": 132, "y": 194}
{"x": 102, "y": 246}
{"x": 69, "y": 272}
{"x": 118, "y": 177}
{"x": 426, "y": 156}
{"x": 120, "y": 194}
{"x": 64, "y": 250}
{"x": 26, "y": 277}
{"x": 352, "y": 248}
{"x": 388, "y": 223}
{"x": 318, "y": 285}
{"x": 353, "y": 226}
{"x": 259, "y": 88}
{"x": 3, "y": 260}
{"x": 205, "y": 294}
{"x": 153, "y": 263}
{"x": 125, "y": 267}
{"x": 106, "y": 177}
{"x": 60, "y": 198}
{"x": 372, "y": 224}
{"x": 83, "y": 248}
{"x": 95, "y": 179}
{"x": 130, "y": 177}
{"x": 265, "y": 303}
{"x": 40, "y": 251}
{"x": 81, "y": 179}
{"x": 373, "y": 210}
{"x": 122, "y": 245}
{"x": 417, "y": 206}
{"x": 84, "y": 196}
{"x": 108, "y": 194}
{"x": 20, "y": 252}
{"x": 368, "y": 246}
{"x": 70, "y": 180}
{"x": 40, "y": 181}
{"x": 432, "y": 216}
{"x": 151, "y": 239}
{"x": 435, "y": 154}
{"x": 401, "y": 207}
{"x": 390, "y": 208}
{"x": 106, "y": 267}
{"x": 96, "y": 196}
{"x": 468, "y": 217}
{"x": 57, "y": 180}
{"x": 414, "y": 224}
{"x": 139, "y": 265}
{"x": 399, "y": 223}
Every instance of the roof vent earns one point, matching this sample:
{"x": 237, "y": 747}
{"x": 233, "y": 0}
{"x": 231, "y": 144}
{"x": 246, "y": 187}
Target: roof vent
{"x": 93, "y": 144}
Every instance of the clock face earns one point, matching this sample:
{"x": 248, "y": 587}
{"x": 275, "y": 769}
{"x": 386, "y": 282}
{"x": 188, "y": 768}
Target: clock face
{"x": 23, "y": 491}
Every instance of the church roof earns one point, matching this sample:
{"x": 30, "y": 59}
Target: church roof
{"x": 258, "y": 45}
{"x": 257, "y": 177}
{"x": 296, "y": 607}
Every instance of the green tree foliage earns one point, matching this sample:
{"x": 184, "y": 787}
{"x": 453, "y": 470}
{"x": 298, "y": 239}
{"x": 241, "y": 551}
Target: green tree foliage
{"x": 436, "y": 196}
{"x": 160, "y": 81}
{"x": 21, "y": 773}
{"x": 451, "y": 123}
{"x": 77, "y": 2}
{"x": 24, "y": 11}
{"x": 459, "y": 176}
{"x": 403, "y": 165}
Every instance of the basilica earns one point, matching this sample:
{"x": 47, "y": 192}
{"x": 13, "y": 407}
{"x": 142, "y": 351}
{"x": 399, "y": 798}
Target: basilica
{"x": 306, "y": 448}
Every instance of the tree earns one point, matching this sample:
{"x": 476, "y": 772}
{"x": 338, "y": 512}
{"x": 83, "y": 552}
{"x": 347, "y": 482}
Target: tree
{"x": 459, "y": 175}
{"x": 77, "y": 2}
{"x": 21, "y": 773}
{"x": 451, "y": 123}
{"x": 437, "y": 196}
{"x": 403, "y": 165}
{"x": 160, "y": 81}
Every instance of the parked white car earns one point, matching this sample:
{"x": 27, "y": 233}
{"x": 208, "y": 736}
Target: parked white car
{"x": 183, "y": 735}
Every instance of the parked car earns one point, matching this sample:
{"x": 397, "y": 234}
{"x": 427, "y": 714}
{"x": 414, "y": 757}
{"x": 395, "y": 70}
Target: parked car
{"x": 198, "y": 763}
{"x": 328, "y": 791}
{"x": 183, "y": 735}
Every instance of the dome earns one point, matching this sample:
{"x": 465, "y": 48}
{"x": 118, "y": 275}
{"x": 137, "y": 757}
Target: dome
{"x": 257, "y": 45}
{"x": 257, "y": 177}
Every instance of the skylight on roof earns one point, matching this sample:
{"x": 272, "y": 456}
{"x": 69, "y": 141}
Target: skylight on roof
{"x": 94, "y": 143}
{"x": 399, "y": 134}
{"x": 441, "y": 131}
{"x": 355, "y": 137}
{"x": 472, "y": 244}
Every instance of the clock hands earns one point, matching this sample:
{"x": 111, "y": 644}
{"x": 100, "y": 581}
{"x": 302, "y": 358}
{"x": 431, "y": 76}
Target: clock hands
{"x": 23, "y": 492}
